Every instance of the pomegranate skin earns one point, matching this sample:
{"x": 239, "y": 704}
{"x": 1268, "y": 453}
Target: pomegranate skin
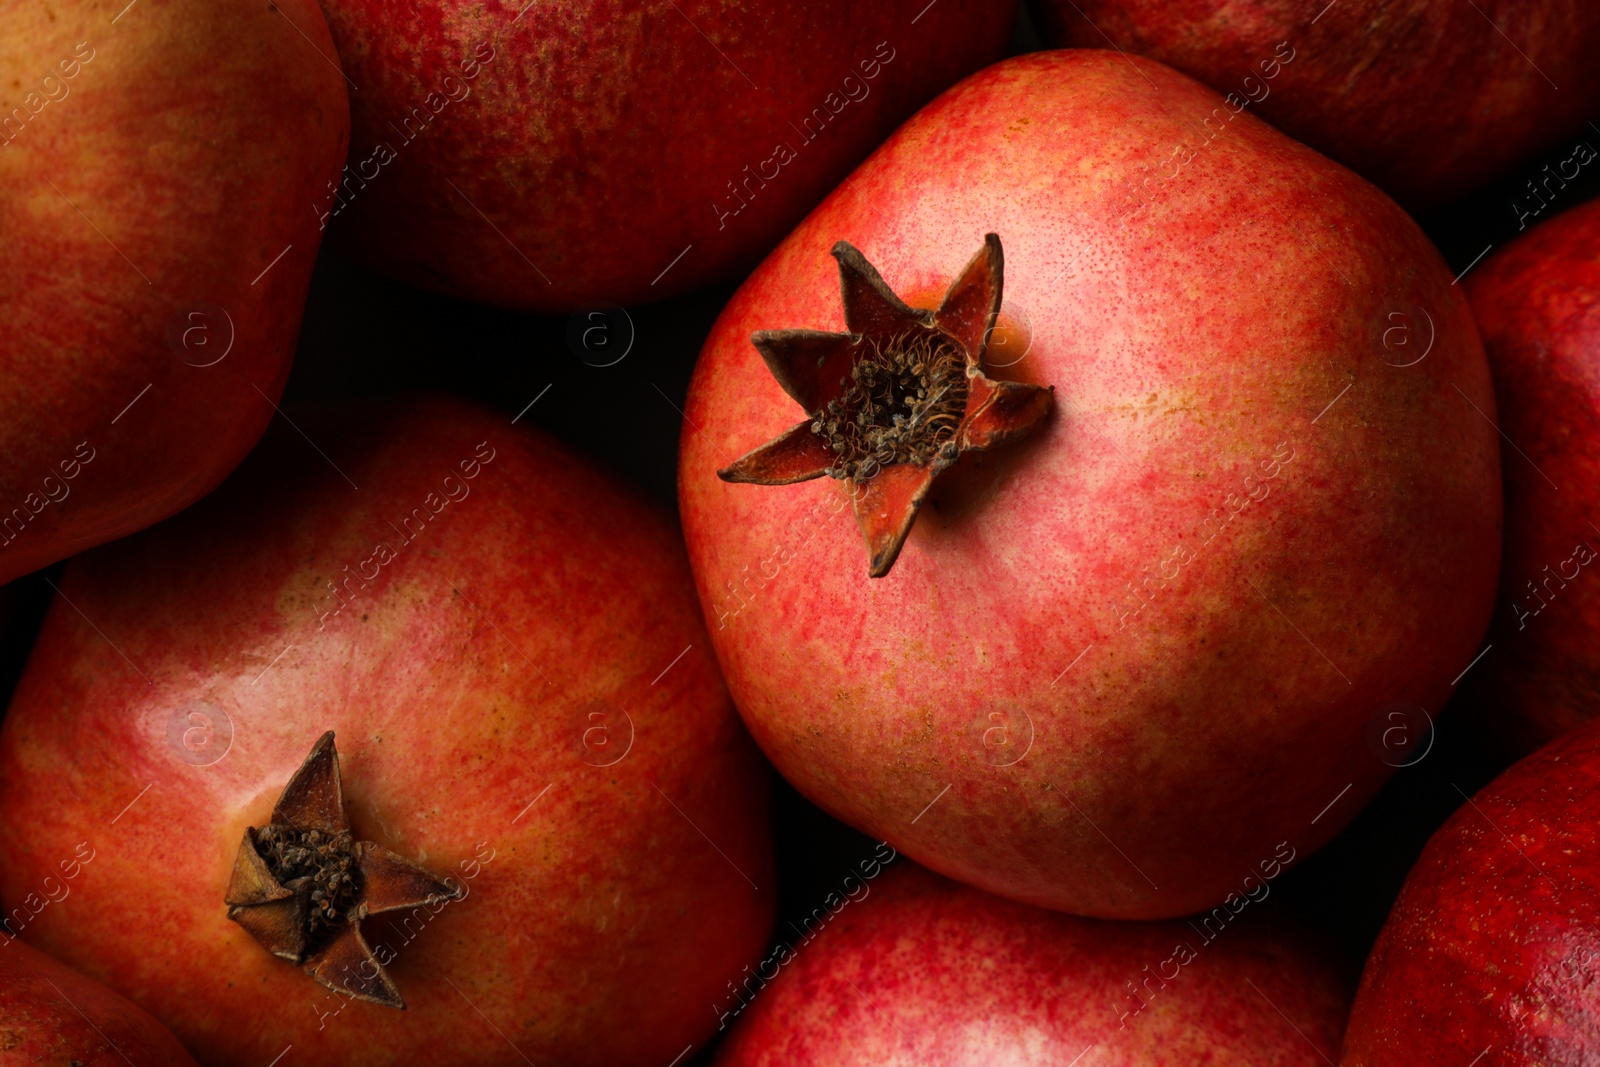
{"x": 523, "y": 701}
{"x": 1492, "y": 942}
{"x": 921, "y": 970}
{"x": 157, "y": 251}
{"x": 1537, "y": 302}
{"x": 1065, "y": 692}
{"x": 1429, "y": 100}
{"x": 551, "y": 154}
{"x": 51, "y": 1014}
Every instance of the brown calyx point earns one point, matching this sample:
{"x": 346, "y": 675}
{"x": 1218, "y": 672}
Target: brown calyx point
{"x": 326, "y": 859}
{"x": 902, "y": 403}
{"x": 302, "y": 884}
{"x": 894, "y": 400}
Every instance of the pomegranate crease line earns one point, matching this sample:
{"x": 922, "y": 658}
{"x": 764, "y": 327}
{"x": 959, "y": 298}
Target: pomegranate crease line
{"x": 302, "y": 433}
{"x": 1290, "y": 1021}
{"x": 702, "y": 833}
{"x": 532, "y": 402}
{"x": 673, "y": 664}
{"x": 1107, "y": 836}
{"x": 531, "y": 803}
{"x": 674, "y": 263}
{"x": 132, "y": 802}
{"x": 99, "y": 631}
{"x": 1332, "y": 402}
{"x": 97, "y": 229}
{"x": 931, "y": 803}
{"x": 132, "y": 402}
{"x": 274, "y": 262}
{"x": 1502, "y": 433}
{"x": 1473, "y": 664}
{"x": 1297, "y": 630}
{"x": 497, "y": 229}
{"x": 1474, "y": 263}
{"x": 1332, "y": 802}
{"x": 490, "y": 1021}
{"x": 90, "y": 1021}
{"x": 1073, "y": 664}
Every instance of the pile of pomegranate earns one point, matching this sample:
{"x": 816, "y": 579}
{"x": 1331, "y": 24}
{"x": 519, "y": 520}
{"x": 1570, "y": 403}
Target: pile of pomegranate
{"x": 651, "y": 534}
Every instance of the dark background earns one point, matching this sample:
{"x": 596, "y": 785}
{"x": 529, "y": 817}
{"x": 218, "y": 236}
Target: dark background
{"x": 364, "y": 334}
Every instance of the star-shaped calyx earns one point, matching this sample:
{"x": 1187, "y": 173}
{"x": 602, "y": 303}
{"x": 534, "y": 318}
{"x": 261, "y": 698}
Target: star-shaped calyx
{"x": 302, "y": 884}
{"x": 894, "y": 401}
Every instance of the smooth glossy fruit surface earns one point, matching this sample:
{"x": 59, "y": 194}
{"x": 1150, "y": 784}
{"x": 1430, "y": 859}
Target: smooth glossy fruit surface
{"x": 548, "y": 155}
{"x": 51, "y": 1014}
{"x": 157, "y": 165}
{"x": 1537, "y": 302}
{"x": 1429, "y": 100}
{"x": 1121, "y": 662}
{"x": 920, "y": 970}
{"x": 505, "y": 643}
{"x": 1493, "y": 943}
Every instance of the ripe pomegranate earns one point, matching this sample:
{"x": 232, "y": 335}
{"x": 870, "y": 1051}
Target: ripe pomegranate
{"x": 1492, "y": 943}
{"x": 919, "y": 970}
{"x": 1431, "y": 101}
{"x": 532, "y": 753}
{"x": 540, "y": 156}
{"x": 157, "y": 251}
{"x": 51, "y": 1014}
{"x": 1122, "y": 659}
{"x": 1537, "y": 302}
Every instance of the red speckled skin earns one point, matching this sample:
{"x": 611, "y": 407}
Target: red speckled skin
{"x": 1492, "y": 942}
{"x": 1176, "y": 745}
{"x": 1537, "y": 302}
{"x": 924, "y": 971}
{"x": 1427, "y": 98}
{"x": 191, "y": 139}
{"x": 51, "y": 1014}
{"x": 602, "y": 136}
{"x": 602, "y": 921}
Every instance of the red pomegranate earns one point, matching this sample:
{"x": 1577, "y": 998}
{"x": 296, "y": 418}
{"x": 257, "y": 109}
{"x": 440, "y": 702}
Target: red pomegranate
{"x": 51, "y": 1014}
{"x": 538, "y": 823}
{"x": 541, "y": 156}
{"x": 1122, "y": 660}
{"x": 1430, "y": 100}
{"x": 1492, "y": 943}
{"x": 157, "y": 251}
{"x": 1537, "y": 302}
{"x": 915, "y": 969}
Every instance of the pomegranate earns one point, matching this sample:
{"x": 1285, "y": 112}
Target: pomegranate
{"x": 917, "y": 970}
{"x": 538, "y": 824}
{"x": 1121, "y": 660}
{"x": 541, "y": 156}
{"x": 158, "y": 251}
{"x": 1537, "y": 302}
{"x": 1431, "y": 101}
{"x": 51, "y": 1014}
{"x": 1492, "y": 943}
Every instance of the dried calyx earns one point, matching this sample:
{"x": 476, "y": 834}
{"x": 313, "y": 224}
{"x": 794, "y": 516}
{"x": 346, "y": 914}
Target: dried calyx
{"x": 896, "y": 400}
{"x": 302, "y": 884}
